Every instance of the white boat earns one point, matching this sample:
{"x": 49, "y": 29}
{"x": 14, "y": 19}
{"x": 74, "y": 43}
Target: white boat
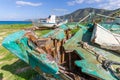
{"x": 105, "y": 38}
{"x": 49, "y": 22}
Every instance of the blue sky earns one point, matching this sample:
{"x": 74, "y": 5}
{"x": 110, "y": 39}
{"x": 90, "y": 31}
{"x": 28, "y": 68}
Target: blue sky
{"x": 31, "y": 9}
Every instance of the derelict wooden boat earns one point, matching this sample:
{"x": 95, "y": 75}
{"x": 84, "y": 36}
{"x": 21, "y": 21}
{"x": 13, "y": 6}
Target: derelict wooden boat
{"x": 62, "y": 57}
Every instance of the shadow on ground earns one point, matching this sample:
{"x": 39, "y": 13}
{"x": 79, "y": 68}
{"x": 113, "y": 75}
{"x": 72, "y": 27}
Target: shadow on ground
{"x": 1, "y": 76}
{"x": 21, "y": 69}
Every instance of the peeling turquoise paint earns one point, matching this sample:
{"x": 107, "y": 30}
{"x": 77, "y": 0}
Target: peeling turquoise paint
{"x": 92, "y": 67}
{"x": 17, "y": 43}
{"x": 59, "y": 33}
{"x": 56, "y": 34}
{"x": 89, "y": 63}
{"x": 64, "y": 27}
{"x": 72, "y": 25}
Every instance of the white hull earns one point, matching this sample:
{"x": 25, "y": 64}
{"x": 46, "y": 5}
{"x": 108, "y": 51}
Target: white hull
{"x": 105, "y": 38}
{"x": 39, "y": 24}
{"x": 49, "y": 25}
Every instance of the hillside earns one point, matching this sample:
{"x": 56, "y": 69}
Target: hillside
{"x": 80, "y": 13}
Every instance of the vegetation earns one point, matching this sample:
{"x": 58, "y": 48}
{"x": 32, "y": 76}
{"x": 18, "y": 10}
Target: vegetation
{"x": 40, "y": 33}
{"x": 80, "y": 13}
{"x": 11, "y": 68}
{"x": 15, "y": 26}
{"x": 116, "y": 14}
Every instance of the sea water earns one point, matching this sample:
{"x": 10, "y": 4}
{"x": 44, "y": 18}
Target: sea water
{"x": 15, "y": 22}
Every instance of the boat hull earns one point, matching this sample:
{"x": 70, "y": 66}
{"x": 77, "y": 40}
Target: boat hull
{"x": 17, "y": 43}
{"x": 89, "y": 64}
{"x": 49, "y": 25}
{"x": 105, "y": 38}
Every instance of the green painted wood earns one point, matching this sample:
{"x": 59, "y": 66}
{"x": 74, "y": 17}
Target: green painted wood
{"x": 89, "y": 63}
{"x": 17, "y": 43}
{"x": 56, "y": 34}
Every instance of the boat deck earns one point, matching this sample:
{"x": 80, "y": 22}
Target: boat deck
{"x": 89, "y": 64}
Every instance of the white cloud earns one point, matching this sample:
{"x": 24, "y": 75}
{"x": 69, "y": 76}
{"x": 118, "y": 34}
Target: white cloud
{"x": 105, "y": 4}
{"x": 110, "y": 4}
{"x": 24, "y": 3}
{"x": 71, "y": 3}
{"x": 79, "y": 1}
{"x": 93, "y": 1}
{"x": 60, "y": 10}
{"x": 74, "y": 2}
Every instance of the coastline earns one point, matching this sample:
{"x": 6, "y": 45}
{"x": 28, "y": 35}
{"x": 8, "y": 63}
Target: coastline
{"x": 14, "y": 22}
